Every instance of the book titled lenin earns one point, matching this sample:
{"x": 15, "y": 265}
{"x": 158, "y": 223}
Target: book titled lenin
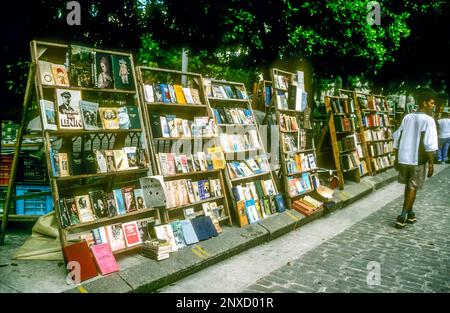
{"x": 106, "y": 262}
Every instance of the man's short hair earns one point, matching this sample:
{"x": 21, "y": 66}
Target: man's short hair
{"x": 66, "y": 93}
{"x": 425, "y": 95}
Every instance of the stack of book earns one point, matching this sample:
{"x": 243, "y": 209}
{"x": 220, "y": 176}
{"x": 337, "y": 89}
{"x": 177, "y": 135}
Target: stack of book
{"x": 170, "y": 126}
{"x": 307, "y": 205}
{"x": 156, "y": 249}
{"x": 225, "y": 91}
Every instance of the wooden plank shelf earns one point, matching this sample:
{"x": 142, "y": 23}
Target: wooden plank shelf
{"x": 192, "y": 174}
{"x": 91, "y": 89}
{"x": 68, "y": 132}
{"x": 196, "y": 203}
{"x": 299, "y": 151}
{"x": 245, "y": 101}
{"x": 111, "y": 220}
{"x": 379, "y": 140}
{"x": 299, "y": 173}
{"x": 185, "y": 138}
{"x": 249, "y": 177}
{"x": 165, "y": 105}
{"x": 381, "y": 154}
{"x": 125, "y": 172}
{"x": 236, "y": 125}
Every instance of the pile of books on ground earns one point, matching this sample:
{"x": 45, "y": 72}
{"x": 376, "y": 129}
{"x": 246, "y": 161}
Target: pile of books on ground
{"x": 156, "y": 249}
{"x": 307, "y": 205}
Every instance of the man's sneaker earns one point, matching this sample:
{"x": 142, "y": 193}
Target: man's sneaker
{"x": 411, "y": 218}
{"x": 401, "y": 222}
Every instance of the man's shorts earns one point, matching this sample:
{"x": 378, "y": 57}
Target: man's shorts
{"x": 411, "y": 175}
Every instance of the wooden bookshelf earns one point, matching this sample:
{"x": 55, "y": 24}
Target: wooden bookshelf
{"x": 333, "y": 106}
{"x": 151, "y": 76}
{"x": 262, "y": 93}
{"x": 356, "y": 97}
{"x": 244, "y": 103}
{"x": 289, "y": 108}
{"x": 87, "y": 140}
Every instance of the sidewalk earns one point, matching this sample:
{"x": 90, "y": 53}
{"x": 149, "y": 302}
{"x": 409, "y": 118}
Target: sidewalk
{"x": 139, "y": 274}
{"x": 413, "y": 259}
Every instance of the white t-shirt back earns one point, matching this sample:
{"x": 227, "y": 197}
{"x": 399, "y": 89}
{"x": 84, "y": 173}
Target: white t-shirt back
{"x": 444, "y": 127}
{"x": 407, "y": 137}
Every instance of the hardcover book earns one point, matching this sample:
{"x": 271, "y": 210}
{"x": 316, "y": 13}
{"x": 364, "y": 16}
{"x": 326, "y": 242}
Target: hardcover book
{"x": 178, "y": 234}
{"x": 109, "y": 118}
{"x": 165, "y": 93}
{"x": 164, "y": 232}
{"x": 131, "y": 233}
{"x": 110, "y": 161}
{"x": 103, "y": 71}
{"x": 123, "y": 118}
{"x": 131, "y": 155}
{"x": 133, "y": 116}
{"x": 196, "y": 96}
{"x": 80, "y": 253}
{"x": 84, "y": 208}
{"x": 112, "y": 204}
{"x": 142, "y": 158}
{"x": 89, "y": 113}
{"x": 139, "y": 199}
{"x": 120, "y": 204}
{"x": 123, "y": 72}
{"x": 143, "y": 226}
{"x": 173, "y": 97}
{"x": 148, "y": 93}
{"x": 99, "y": 203}
{"x": 188, "y": 232}
{"x": 116, "y": 237}
{"x": 106, "y": 262}
{"x": 102, "y": 166}
{"x": 80, "y": 66}
{"x": 121, "y": 160}
{"x": 69, "y": 113}
{"x": 48, "y": 115}
{"x": 179, "y": 94}
{"x": 60, "y": 75}
{"x": 89, "y": 162}
{"x": 45, "y": 70}
{"x": 72, "y": 211}
{"x": 63, "y": 163}
{"x": 188, "y": 95}
{"x": 129, "y": 200}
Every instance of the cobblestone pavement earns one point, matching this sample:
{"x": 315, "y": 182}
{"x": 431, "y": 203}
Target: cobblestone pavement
{"x": 413, "y": 259}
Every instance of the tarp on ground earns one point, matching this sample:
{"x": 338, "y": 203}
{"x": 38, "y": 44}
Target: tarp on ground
{"x": 44, "y": 242}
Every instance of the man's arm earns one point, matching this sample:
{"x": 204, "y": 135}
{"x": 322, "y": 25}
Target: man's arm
{"x": 430, "y": 156}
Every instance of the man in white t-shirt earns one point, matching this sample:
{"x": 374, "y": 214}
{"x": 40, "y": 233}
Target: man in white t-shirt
{"x": 414, "y": 144}
{"x": 444, "y": 137}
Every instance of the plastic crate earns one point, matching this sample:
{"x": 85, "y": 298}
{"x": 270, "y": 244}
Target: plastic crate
{"x": 32, "y": 170}
{"x": 39, "y": 205}
{"x": 5, "y": 169}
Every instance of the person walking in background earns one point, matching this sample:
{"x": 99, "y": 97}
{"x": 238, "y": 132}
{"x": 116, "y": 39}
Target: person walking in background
{"x": 444, "y": 137}
{"x": 414, "y": 145}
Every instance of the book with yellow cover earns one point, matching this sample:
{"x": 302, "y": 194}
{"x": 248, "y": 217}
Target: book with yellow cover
{"x": 180, "y": 94}
{"x": 217, "y": 158}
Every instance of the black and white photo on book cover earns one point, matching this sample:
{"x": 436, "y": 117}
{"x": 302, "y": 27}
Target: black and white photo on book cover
{"x": 69, "y": 114}
{"x": 89, "y": 111}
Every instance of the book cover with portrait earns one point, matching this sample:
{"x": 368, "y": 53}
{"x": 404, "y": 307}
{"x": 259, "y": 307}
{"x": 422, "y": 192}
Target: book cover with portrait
{"x": 69, "y": 113}
{"x": 123, "y": 72}
{"x": 103, "y": 71}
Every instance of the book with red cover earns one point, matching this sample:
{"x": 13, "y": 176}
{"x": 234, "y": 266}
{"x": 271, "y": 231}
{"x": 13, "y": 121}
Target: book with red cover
{"x": 106, "y": 262}
{"x": 79, "y": 252}
{"x": 131, "y": 233}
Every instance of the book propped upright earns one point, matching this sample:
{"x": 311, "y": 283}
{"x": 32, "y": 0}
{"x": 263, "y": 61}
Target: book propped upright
{"x": 80, "y": 253}
{"x": 106, "y": 262}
